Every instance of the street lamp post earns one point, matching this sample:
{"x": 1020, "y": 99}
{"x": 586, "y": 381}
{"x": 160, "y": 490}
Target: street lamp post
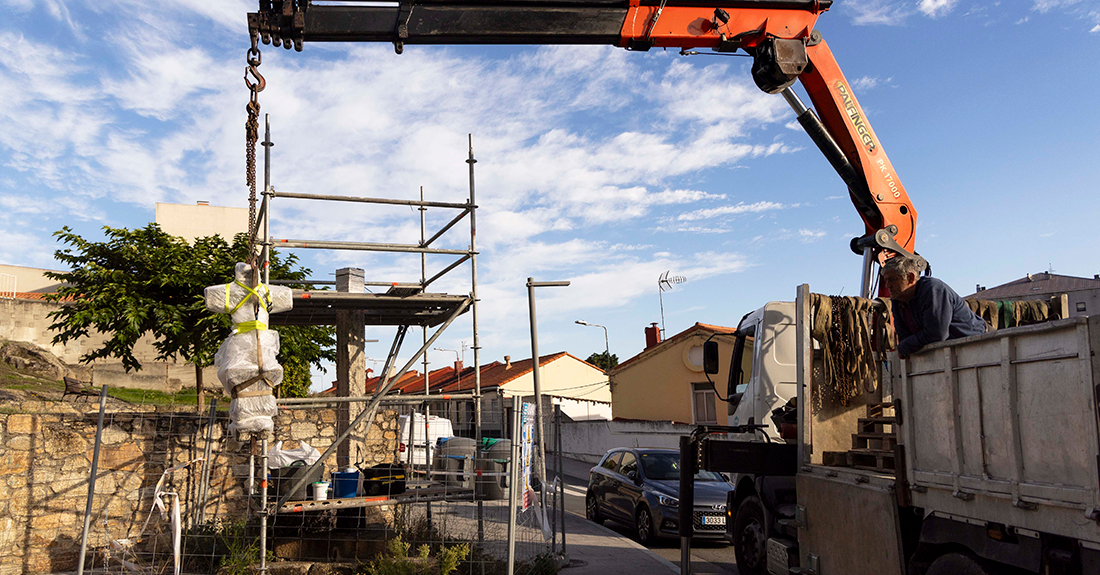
{"x": 607, "y": 347}
{"x": 458, "y": 371}
{"x": 531, "y": 285}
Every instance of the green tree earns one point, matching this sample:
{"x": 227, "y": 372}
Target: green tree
{"x": 603, "y": 361}
{"x": 145, "y": 281}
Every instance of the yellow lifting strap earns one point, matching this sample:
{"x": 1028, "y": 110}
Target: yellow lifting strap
{"x": 247, "y": 326}
{"x": 251, "y": 292}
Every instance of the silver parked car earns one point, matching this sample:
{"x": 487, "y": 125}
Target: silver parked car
{"x": 640, "y": 487}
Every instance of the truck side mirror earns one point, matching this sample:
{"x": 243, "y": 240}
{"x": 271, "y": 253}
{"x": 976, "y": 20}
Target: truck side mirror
{"x": 710, "y": 357}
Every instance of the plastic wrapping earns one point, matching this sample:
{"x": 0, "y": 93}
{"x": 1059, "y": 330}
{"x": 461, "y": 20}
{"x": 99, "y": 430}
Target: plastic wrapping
{"x": 252, "y": 345}
{"x": 278, "y": 298}
{"x": 278, "y": 457}
{"x": 236, "y": 362}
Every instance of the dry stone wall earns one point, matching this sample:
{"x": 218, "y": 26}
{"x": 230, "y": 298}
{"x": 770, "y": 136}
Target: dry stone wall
{"x": 27, "y": 320}
{"x": 46, "y": 452}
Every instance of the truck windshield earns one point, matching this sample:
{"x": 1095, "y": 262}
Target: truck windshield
{"x": 666, "y": 467}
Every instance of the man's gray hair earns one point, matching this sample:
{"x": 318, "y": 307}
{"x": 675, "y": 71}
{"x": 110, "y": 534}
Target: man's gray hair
{"x": 904, "y": 265}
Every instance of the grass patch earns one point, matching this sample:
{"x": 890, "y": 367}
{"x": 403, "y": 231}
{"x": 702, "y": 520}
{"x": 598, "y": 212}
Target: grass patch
{"x": 47, "y": 389}
{"x": 419, "y": 533}
{"x": 185, "y": 397}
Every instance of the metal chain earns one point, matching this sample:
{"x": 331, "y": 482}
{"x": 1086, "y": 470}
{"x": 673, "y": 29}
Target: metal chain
{"x": 256, "y": 84}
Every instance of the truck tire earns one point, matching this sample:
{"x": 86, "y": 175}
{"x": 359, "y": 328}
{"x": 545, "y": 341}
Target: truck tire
{"x": 592, "y": 509}
{"x": 957, "y": 564}
{"x": 750, "y": 538}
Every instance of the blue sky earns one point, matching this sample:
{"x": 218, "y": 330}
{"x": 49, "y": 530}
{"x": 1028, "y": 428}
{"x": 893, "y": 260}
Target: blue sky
{"x": 596, "y": 165}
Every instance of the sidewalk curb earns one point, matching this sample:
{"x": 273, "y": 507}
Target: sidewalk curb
{"x": 672, "y": 566}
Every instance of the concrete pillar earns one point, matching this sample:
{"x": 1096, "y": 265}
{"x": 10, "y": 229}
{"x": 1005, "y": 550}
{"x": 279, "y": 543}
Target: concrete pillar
{"x": 351, "y": 375}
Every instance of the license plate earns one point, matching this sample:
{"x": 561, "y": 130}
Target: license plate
{"x": 714, "y": 520}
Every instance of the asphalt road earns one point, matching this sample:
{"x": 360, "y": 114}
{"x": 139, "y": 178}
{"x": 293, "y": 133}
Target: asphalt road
{"x": 707, "y": 557}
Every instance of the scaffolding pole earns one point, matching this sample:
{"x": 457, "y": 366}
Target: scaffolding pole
{"x": 387, "y": 382}
{"x": 471, "y": 207}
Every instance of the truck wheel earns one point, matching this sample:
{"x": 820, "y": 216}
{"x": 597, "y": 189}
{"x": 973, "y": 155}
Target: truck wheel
{"x": 592, "y": 509}
{"x": 643, "y": 526}
{"x": 750, "y": 538}
{"x": 957, "y": 564}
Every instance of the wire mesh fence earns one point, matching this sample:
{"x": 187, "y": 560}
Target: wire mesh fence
{"x": 174, "y": 492}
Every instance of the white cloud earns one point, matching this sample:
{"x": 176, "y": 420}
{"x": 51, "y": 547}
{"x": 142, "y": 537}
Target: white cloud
{"x": 1047, "y": 5}
{"x": 740, "y": 208}
{"x": 869, "y": 12}
{"x": 936, "y": 8}
{"x": 807, "y": 235}
{"x": 864, "y": 83}
{"x": 1077, "y": 8}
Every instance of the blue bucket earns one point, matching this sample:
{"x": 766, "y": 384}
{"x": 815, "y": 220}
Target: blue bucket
{"x": 345, "y": 483}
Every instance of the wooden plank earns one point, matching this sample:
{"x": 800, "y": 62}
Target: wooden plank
{"x": 950, "y": 362}
{"x": 1008, "y": 376}
{"x": 834, "y": 458}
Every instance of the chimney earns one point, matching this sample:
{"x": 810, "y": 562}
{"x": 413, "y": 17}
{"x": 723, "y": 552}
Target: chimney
{"x": 979, "y": 287}
{"x": 458, "y": 366}
{"x": 507, "y": 362}
{"x": 652, "y": 335}
{"x": 202, "y": 203}
{"x": 1029, "y": 278}
{"x": 1096, "y": 276}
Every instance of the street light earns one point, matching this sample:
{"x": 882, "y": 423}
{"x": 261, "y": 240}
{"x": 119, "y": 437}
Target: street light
{"x": 531, "y": 285}
{"x": 607, "y": 348}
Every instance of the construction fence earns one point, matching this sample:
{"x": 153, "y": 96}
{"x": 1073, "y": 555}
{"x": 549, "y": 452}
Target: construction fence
{"x": 174, "y": 493}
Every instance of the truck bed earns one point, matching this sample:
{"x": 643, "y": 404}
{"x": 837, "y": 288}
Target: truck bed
{"x": 1003, "y": 426}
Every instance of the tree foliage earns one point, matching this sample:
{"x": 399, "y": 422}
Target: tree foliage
{"x": 603, "y": 361}
{"x": 145, "y": 281}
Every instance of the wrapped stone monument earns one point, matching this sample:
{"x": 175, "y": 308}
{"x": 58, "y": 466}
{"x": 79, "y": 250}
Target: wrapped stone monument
{"x": 246, "y": 359}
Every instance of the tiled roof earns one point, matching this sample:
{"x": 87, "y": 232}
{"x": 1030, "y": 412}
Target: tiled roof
{"x": 446, "y": 380}
{"x": 704, "y": 327}
{"x": 412, "y": 381}
{"x": 36, "y": 295}
{"x": 1043, "y": 283}
{"x": 496, "y": 374}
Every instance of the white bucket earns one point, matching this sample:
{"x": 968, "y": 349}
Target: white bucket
{"x": 320, "y": 490}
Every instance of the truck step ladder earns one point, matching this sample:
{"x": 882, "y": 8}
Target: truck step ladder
{"x": 873, "y": 445}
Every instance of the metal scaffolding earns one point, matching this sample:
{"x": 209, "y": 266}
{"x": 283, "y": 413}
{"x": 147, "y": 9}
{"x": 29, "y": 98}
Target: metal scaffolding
{"x": 403, "y": 305}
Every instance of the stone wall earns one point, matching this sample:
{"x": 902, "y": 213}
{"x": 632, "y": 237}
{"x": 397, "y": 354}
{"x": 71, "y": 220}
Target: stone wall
{"x": 26, "y": 320}
{"x": 46, "y": 460}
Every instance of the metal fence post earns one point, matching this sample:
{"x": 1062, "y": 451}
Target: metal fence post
{"x": 91, "y": 482}
{"x": 561, "y": 476}
{"x": 513, "y": 480}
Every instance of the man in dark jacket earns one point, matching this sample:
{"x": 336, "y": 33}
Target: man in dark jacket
{"x": 926, "y": 310}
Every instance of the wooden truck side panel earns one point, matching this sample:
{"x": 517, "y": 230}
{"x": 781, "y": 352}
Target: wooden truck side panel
{"x": 1003, "y": 427}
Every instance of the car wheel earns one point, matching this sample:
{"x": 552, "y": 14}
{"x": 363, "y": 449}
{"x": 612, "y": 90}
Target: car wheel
{"x": 643, "y": 526}
{"x": 957, "y": 564}
{"x": 592, "y": 509}
{"x": 750, "y": 538}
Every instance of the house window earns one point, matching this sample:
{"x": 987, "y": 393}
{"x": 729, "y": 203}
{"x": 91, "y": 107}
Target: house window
{"x": 703, "y": 399}
{"x": 1080, "y": 306}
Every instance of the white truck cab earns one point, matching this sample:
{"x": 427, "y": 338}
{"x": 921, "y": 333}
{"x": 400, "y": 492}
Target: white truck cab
{"x": 763, "y": 373}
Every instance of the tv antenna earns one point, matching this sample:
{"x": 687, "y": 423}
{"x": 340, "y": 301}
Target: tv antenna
{"x": 665, "y": 283}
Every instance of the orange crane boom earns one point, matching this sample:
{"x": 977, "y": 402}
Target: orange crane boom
{"x": 778, "y": 34}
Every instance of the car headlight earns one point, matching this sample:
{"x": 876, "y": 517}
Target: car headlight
{"x": 666, "y": 501}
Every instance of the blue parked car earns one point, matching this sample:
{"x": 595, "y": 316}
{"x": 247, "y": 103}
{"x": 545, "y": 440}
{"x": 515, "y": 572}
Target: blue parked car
{"x": 640, "y": 487}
